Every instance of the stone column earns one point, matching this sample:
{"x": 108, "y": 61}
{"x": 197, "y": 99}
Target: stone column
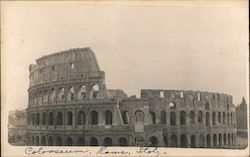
{"x": 177, "y": 118}
{"x": 178, "y": 140}
{"x": 100, "y": 116}
{"x": 87, "y": 119}
{"x": 114, "y": 115}
{"x": 74, "y": 118}
{"x": 64, "y": 119}
{"x": 188, "y": 140}
{"x": 54, "y": 119}
{"x": 146, "y": 115}
{"x": 212, "y": 140}
{"x": 210, "y": 119}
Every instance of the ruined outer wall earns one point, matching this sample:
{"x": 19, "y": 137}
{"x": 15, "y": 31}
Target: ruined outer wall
{"x": 69, "y": 105}
{"x": 197, "y": 115}
{"x": 66, "y": 69}
{"x": 62, "y": 85}
{"x": 69, "y": 64}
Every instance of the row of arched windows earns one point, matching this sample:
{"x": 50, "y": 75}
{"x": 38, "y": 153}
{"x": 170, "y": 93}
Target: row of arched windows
{"x": 139, "y": 117}
{"x": 193, "y": 96}
{"x": 173, "y": 105}
{"x": 209, "y": 140}
{"x": 41, "y": 119}
{"x": 58, "y": 119}
{"x": 52, "y": 95}
{"x": 80, "y": 141}
{"x": 220, "y": 118}
{"x": 203, "y": 141}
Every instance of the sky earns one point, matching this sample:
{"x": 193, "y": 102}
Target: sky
{"x": 152, "y": 46}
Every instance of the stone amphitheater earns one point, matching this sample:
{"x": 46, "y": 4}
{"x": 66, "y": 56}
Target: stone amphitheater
{"x": 69, "y": 105}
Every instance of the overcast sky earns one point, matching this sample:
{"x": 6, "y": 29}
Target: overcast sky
{"x": 153, "y": 47}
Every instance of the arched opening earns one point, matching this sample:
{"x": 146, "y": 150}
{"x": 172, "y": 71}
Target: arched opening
{"x": 52, "y": 95}
{"x": 50, "y": 141}
{"x": 153, "y": 141}
{"x": 93, "y": 141}
{"x": 228, "y": 122}
{"x": 43, "y": 141}
{"x": 71, "y": 94}
{"x": 82, "y": 93}
{"x": 163, "y": 117}
{"x": 172, "y": 118}
{"x": 125, "y": 117}
{"x": 232, "y": 139}
{"x": 152, "y": 117}
{"x": 193, "y": 143}
{"x": 173, "y": 141}
{"x": 172, "y": 105}
{"x": 61, "y": 94}
{"x": 123, "y": 141}
{"x": 81, "y": 141}
{"x": 72, "y": 65}
{"x": 108, "y": 117}
{"x": 139, "y": 117}
{"x": 183, "y": 141}
{"x": 220, "y": 140}
{"x": 208, "y": 141}
{"x": 231, "y": 118}
{"x": 69, "y": 141}
{"x": 81, "y": 119}
{"x": 33, "y": 141}
{"x": 200, "y": 117}
{"x": 215, "y": 140}
{"x": 38, "y": 119}
{"x": 214, "y": 118}
{"x": 51, "y": 118}
{"x": 59, "y": 118}
{"x": 33, "y": 119}
{"x": 202, "y": 141}
{"x": 183, "y": 118}
{"x": 69, "y": 118}
{"x": 219, "y": 117}
{"x": 108, "y": 141}
{"x": 192, "y": 117}
{"x": 95, "y": 91}
{"x": 225, "y": 139}
{"x": 45, "y": 96}
{"x": 44, "y": 118}
{"x": 207, "y": 106}
{"x": 93, "y": 118}
{"x": 224, "y": 118}
{"x": 165, "y": 138}
{"x": 199, "y": 96}
{"x": 37, "y": 140}
{"x": 228, "y": 140}
{"x": 58, "y": 141}
{"x": 182, "y": 94}
{"x": 207, "y": 119}
{"x": 29, "y": 119}
{"x": 161, "y": 94}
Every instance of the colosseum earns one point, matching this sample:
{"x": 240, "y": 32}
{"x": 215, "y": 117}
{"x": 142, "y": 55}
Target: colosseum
{"x": 70, "y": 105}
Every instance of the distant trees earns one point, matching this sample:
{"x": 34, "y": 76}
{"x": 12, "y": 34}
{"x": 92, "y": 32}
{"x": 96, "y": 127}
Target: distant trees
{"x": 18, "y": 117}
{"x": 17, "y": 127}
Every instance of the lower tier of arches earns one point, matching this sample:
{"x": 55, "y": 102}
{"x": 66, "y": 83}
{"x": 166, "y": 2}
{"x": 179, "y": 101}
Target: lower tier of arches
{"x": 209, "y": 140}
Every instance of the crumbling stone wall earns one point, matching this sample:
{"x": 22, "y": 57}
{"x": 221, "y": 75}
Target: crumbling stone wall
{"x": 69, "y": 105}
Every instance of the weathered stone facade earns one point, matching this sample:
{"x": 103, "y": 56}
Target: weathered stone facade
{"x": 69, "y": 105}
